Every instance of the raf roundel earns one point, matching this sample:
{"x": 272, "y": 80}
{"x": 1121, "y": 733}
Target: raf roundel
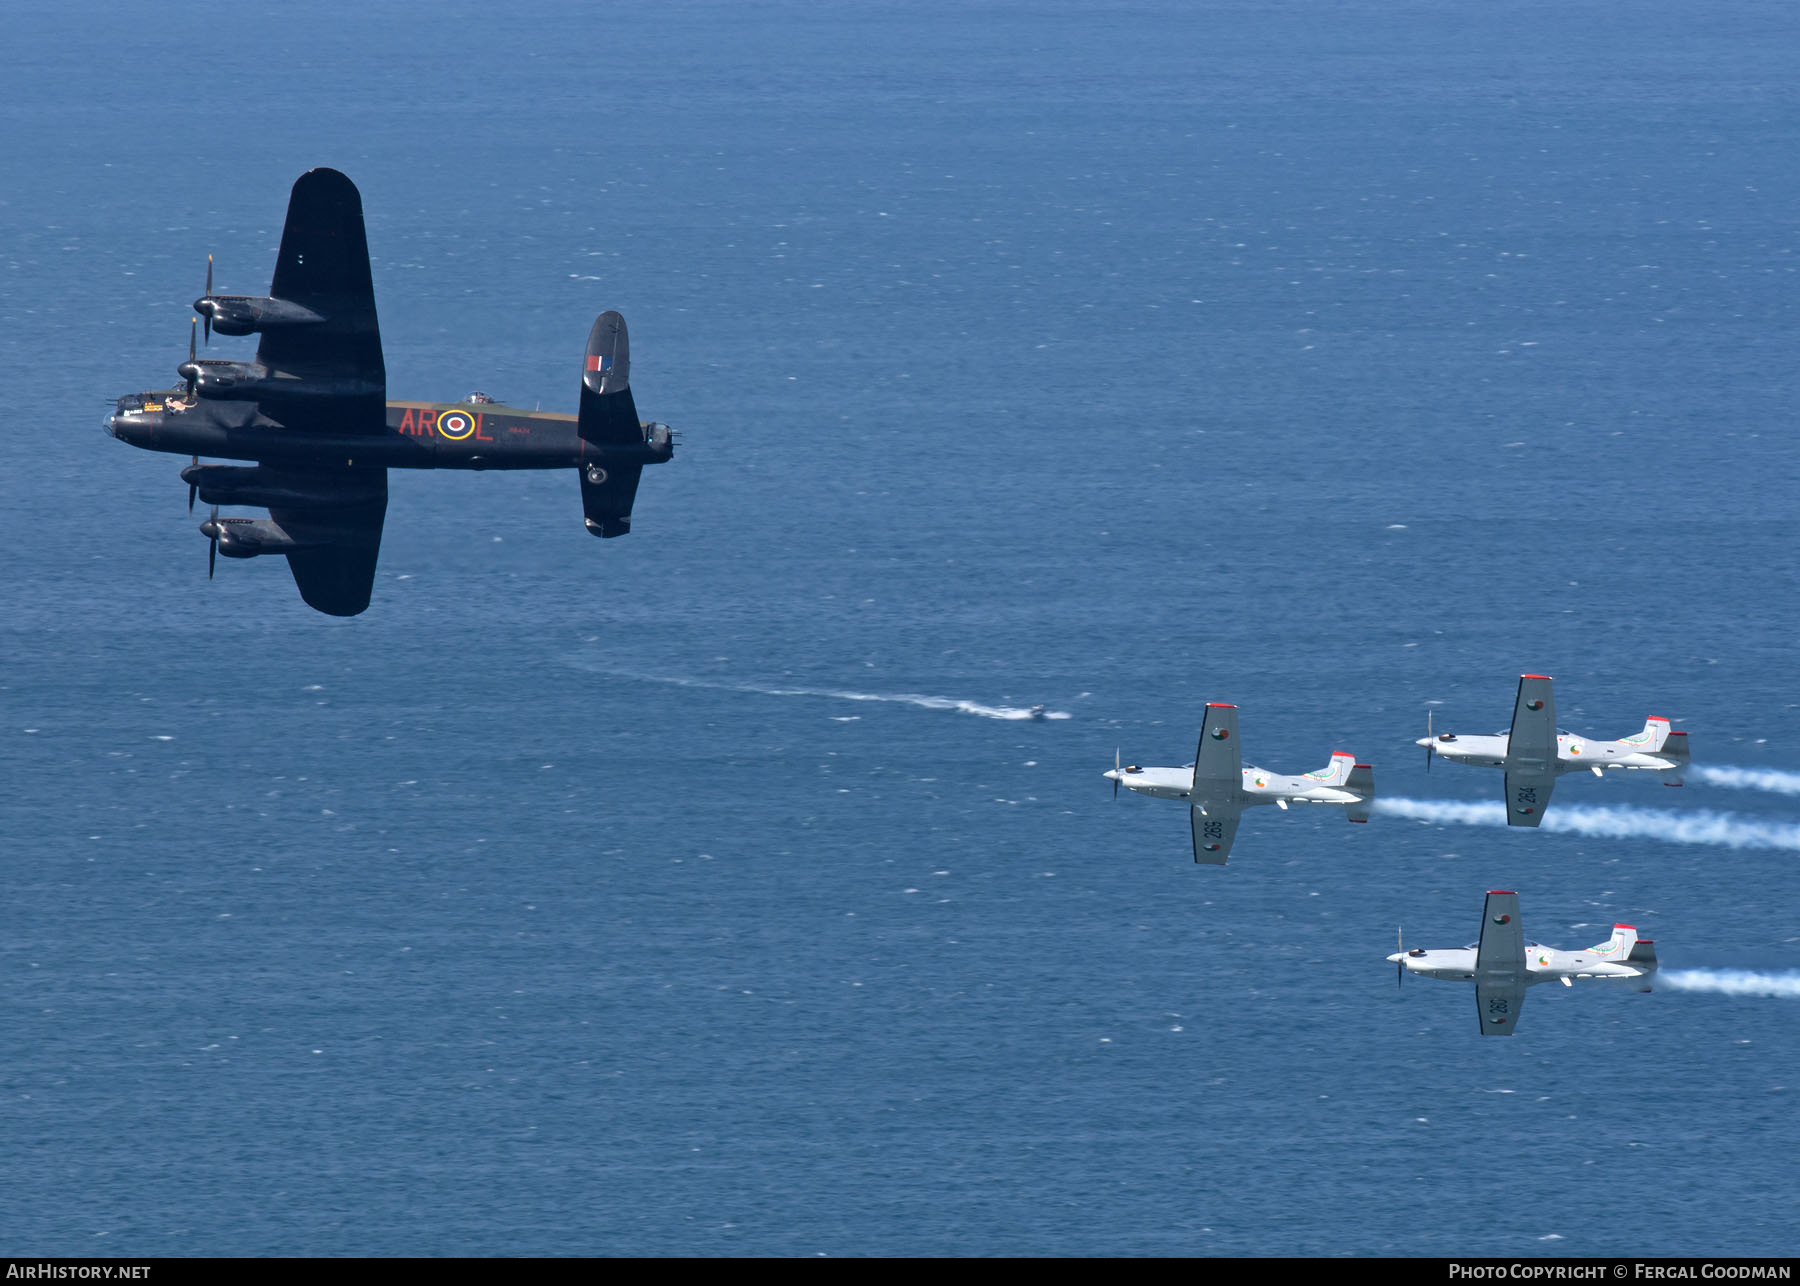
{"x": 1219, "y": 734}
{"x": 455, "y": 425}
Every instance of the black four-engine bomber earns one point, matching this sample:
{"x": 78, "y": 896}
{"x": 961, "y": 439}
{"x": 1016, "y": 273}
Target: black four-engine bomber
{"x": 312, "y": 413}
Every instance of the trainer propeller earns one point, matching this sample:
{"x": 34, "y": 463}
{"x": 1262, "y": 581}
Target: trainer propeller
{"x": 1400, "y": 950}
{"x": 1115, "y": 772}
{"x": 1428, "y": 741}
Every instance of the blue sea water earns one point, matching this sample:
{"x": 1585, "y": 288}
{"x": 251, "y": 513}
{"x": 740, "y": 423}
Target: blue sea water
{"x": 693, "y": 893}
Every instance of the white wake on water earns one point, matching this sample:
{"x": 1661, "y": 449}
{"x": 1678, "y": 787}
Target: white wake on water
{"x": 914, "y": 699}
{"x": 1770, "y": 779}
{"x": 1704, "y": 826}
{"x": 924, "y": 702}
{"x": 1732, "y": 982}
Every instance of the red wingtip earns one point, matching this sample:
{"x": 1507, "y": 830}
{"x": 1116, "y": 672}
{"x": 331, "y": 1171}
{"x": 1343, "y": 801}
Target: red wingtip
{"x": 1675, "y": 732}
{"x": 1546, "y": 678}
{"x": 1359, "y": 820}
{"x": 1219, "y": 705}
{"x": 1508, "y": 892}
{"x": 1657, "y": 718}
{"x": 1370, "y": 767}
{"x": 1632, "y": 927}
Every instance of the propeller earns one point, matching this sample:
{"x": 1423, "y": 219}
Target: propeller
{"x": 212, "y": 550}
{"x": 1115, "y": 772}
{"x": 1427, "y": 740}
{"x": 1400, "y": 964}
{"x": 193, "y": 487}
{"x": 205, "y": 301}
{"x": 190, "y": 368}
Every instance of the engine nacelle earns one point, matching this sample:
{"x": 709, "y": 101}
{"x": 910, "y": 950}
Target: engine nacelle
{"x": 214, "y": 378}
{"x": 254, "y": 485}
{"x": 247, "y": 314}
{"x": 248, "y": 537}
{"x": 254, "y": 382}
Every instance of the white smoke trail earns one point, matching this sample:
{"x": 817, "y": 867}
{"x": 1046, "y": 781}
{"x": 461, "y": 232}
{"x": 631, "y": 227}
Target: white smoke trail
{"x": 1009, "y": 713}
{"x": 1704, "y": 826}
{"x": 1770, "y": 779}
{"x": 1732, "y": 982}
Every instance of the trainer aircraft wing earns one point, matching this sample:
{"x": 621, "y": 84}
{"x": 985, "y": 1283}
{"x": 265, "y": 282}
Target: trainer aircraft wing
{"x": 1527, "y": 795}
{"x": 1500, "y": 964}
{"x": 1502, "y": 936}
{"x": 1218, "y": 767}
{"x": 1498, "y": 1008}
{"x": 1531, "y": 752}
{"x": 1214, "y": 830}
{"x": 323, "y": 269}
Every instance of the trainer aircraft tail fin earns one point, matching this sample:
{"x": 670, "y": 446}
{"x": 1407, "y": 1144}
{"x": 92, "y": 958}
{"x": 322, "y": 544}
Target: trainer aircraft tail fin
{"x": 1337, "y": 772}
{"x": 1361, "y": 781}
{"x": 1650, "y": 740}
{"x": 1618, "y": 947}
{"x": 1676, "y": 749}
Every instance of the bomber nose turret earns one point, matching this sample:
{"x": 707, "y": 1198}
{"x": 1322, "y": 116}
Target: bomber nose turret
{"x": 129, "y": 422}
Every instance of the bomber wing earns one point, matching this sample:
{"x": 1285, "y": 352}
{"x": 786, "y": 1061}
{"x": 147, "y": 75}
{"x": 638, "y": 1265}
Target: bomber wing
{"x": 323, "y": 267}
{"x": 335, "y": 567}
{"x": 1531, "y": 751}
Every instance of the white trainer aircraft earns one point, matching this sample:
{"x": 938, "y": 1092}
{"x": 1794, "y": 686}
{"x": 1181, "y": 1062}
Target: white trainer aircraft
{"x": 1219, "y": 788}
{"x": 1534, "y": 752}
{"x": 1502, "y": 965}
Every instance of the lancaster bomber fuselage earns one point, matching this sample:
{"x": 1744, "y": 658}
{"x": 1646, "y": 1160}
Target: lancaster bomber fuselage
{"x": 416, "y": 435}
{"x": 311, "y": 413}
